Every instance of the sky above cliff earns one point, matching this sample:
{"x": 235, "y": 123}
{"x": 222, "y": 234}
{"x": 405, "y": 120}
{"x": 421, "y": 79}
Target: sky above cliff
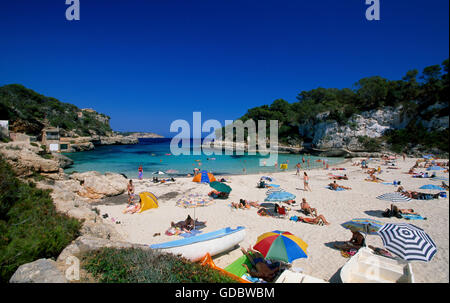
{"x": 148, "y": 63}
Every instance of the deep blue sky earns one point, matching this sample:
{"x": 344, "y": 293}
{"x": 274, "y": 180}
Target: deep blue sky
{"x": 146, "y": 63}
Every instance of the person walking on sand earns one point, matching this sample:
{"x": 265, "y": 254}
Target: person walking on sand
{"x": 307, "y": 161}
{"x": 140, "y": 172}
{"x": 306, "y": 182}
{"x": 298, "y": 168}
{"x": 404, "y": 157}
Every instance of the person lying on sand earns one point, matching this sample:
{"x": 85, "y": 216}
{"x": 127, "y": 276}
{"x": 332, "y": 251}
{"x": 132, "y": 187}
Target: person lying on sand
{"x": 318, "y": 219}
{"x": 344, "y": 177}
{"x": 188, "y": 224}
{"x": 245, "y": 204}
{"x": 290, "y": 202}
{"x": 132, "y": 208}
{"x": 417, "y": 195}
{"x": 261, "y": 268}
{"x": 307, "y": 208}
{"x": 356, "y": 242}
{"x": 335, "y": 186}
{"x": 373, "y": 178}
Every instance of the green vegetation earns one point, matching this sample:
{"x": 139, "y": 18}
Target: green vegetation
{"x": 370, "y": 144}
{"x": 414, "y": 92}
{"x": 132, "y": 265}
{"x": 30, "y": 227}
{"x": 19, "y": 104}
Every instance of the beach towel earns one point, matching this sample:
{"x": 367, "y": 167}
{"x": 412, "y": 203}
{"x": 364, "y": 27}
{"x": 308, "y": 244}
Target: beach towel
{"x": 413, "y": 217}
{"x": 253, "y": 280}
{"x": 338, "y": 189}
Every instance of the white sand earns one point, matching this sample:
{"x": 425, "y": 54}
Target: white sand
{"x": 337, "y": 207}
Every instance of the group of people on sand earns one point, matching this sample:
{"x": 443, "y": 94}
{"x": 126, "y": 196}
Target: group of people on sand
{"x": 308, "y": 210}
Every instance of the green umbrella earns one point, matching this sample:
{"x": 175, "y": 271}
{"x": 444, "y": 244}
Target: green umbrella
{"x": 221, "y": 187}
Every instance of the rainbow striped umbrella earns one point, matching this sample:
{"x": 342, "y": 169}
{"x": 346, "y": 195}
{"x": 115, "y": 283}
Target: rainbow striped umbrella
{"x": 281, "y": 245}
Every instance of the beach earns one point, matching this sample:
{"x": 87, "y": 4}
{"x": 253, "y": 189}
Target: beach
{"x": 338, "y": 207}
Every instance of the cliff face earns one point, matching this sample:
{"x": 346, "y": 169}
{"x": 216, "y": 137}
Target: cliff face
{"x": 329, "y": 134}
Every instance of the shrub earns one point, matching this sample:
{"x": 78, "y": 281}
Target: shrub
{"x": 369, "y": 144}
{"x": 30, "y": 227}
{"x": 133, "y": 265}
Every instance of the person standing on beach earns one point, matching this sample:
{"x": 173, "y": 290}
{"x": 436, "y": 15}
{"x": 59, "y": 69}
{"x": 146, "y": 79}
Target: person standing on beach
{"x": 404, "y": 157}
{"x": 130, "y": 189}
{"x": 140, "y": 172}
{"x": 308, "y": 163}
{"x": 306, "y": 182}
{"x": 298, "y": 168}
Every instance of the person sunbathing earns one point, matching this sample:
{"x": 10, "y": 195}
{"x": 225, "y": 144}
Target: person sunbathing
{"x": 188, "y": 224}
{"x": 356, "y": 242}
{"x": 344, "y": 177}
{"x": 245, "y": 204}
{"x": 290, "y": 202}
{"x": 261, "y": 267}
{"x": 308, "y": 209}
{"x": 317, "y": 220}
{"x": 335, "y": 186}
{"x": 373, "y": 178}
{"x": 215, "y": 194}
{"x": 132, "y": 208}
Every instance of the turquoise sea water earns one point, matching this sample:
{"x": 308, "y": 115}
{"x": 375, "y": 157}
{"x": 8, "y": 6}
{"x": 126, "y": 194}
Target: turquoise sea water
{"x": 152, "y": 155}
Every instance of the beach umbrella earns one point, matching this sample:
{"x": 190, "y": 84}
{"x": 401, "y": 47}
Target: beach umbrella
{"x": 194, "y": 201}
{"x": 429, "y": 156}
{"x": 431, "y": 186}
{"x": 281, "y": 245}
{"x": 368, "y": 226}
{"x": 435, "y": 168}
{"x": 158, "y": 172}
{"x": 279, "y": 196}
{"x": 407, "y": 241}
{"x": 394, "y": 197}
{"x": 274, "y": 190}
{"x": 221, "y": 187}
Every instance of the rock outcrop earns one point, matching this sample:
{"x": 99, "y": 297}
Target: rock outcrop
{"x": 97, "y": 186}
{"x": 39, "y": 271}
{"x": 25, "y": 160}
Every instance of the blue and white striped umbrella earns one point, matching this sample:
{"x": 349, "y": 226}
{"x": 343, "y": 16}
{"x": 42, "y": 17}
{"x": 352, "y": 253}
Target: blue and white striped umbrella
{"x": 394, "y": 197}
{"x": 407, "y": 241}
{"x": 279, "y": 196}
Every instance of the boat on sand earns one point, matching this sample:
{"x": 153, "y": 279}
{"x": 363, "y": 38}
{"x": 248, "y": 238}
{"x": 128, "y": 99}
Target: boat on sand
{"x": 367, "y": 267}
{"x": 196, "y": 247}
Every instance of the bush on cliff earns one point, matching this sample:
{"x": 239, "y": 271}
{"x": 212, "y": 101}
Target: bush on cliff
{"x": 132, "y": 265}
{"x": 30, "y": 227}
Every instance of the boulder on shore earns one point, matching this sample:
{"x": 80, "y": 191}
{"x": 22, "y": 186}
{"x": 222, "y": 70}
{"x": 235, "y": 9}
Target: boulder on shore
{"x": 39, "y": 271}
